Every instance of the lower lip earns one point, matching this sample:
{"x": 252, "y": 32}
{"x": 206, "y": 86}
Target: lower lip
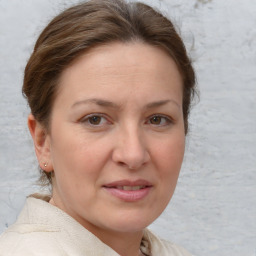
{"x": 129, "y": 195}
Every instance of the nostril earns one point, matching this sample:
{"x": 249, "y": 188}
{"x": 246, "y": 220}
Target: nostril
{"x": 130, "y": 167}
{"x": 130, "y": 154}
{"x": 121, "y": 163}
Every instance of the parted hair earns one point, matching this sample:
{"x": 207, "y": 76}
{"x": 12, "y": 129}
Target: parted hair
{"x": 90, "y": 24}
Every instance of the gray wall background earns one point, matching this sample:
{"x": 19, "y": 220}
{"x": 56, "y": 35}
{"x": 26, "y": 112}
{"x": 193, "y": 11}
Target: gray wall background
{"x": 213, "y": 211}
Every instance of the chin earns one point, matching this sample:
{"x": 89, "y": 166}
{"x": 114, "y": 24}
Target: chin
{"x": 131, "y": 223}
{"x": 128, "y": 227}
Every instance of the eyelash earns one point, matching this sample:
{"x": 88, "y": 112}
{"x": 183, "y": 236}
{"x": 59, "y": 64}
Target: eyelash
{"x": 167, "y": 119}
{"x": 88, "y": 118}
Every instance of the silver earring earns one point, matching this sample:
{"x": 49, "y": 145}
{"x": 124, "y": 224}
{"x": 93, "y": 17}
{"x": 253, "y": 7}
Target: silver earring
{"x": 45, "y": 164}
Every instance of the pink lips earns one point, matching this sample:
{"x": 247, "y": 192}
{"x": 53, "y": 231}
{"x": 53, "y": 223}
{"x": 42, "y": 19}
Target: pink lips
{"x": 129, "y": 191}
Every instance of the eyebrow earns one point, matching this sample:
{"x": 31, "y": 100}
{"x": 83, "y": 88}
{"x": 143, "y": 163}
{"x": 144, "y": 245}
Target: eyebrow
{"x": 110, "y": 104}
{"x": 100, "y": 102}
{"x": 161, "y": 103}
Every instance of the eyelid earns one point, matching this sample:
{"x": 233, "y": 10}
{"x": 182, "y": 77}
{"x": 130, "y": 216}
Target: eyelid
{"x": 168, "y": 119}
{"x": 85, "y": 119}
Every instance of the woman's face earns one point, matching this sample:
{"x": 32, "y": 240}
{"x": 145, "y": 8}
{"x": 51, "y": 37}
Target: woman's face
{"x": 116, "y": 140}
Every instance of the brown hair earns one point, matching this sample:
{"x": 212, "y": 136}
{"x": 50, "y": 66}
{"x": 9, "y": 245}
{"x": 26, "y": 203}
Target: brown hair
{"x": 93, "y": 23}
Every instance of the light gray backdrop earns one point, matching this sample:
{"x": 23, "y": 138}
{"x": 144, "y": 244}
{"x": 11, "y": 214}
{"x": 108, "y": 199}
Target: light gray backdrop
{"x": 213, "y": 211}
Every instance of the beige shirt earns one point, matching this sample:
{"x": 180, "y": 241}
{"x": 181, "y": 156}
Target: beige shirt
{"x": 43, "y": 229}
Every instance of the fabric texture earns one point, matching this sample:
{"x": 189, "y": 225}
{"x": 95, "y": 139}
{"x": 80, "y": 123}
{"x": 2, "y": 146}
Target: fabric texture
{"x": 43, "y": 229}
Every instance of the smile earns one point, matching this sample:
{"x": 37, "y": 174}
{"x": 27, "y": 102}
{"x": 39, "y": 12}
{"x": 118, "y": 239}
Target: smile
{"x": 129, "y": 191}
{"x": 130, "y": 188}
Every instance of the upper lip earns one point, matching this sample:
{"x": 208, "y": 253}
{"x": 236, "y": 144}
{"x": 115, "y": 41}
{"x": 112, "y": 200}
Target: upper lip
{"x": 139, "y": 182}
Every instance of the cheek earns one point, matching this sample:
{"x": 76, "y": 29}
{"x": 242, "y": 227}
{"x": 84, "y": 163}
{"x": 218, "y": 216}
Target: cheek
{"x": 79, "y": 155}
{"x": 168, "y": 157}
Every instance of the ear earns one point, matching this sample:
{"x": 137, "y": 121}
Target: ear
{"x": 41, "y": 143}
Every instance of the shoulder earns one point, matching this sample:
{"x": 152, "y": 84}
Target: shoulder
{"x": 162, "y": 247}
{"x": 42, "y": 229}
{"x": 29, "y": 240}
{"x": 29, "y": 235}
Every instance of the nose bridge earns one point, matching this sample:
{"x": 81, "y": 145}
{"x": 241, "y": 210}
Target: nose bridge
{"x": 131, "y": 147}
{"x": 133, "y": 140}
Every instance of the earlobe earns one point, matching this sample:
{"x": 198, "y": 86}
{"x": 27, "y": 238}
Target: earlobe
{"x": 41, "y": 143}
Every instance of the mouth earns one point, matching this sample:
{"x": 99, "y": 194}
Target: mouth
{"x": 130, "y": 188}
{"x": 129, "y": 191}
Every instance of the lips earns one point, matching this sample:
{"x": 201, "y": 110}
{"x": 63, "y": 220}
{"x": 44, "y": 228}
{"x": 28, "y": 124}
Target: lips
{"x": 128, "y": 183}
{"x": 129, "y": 191}
{"x": 133, "y": 188}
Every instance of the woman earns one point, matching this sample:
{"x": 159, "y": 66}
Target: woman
{"x": 109, "y": 85}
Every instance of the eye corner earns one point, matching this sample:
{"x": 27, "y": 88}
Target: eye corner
{"x": 160, "y": 120}
{"x": 95, "y": 120}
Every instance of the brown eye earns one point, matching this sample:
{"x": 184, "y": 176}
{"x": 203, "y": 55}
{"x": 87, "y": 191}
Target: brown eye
{"x": 159, "y": 120}
{"x": 156, "y": 120}
{"x": 95, "y": 120}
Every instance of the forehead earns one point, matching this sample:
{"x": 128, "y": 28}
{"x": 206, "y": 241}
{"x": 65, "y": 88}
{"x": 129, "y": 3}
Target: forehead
{"x": 116, "y": 56}
{"x": 134, "y": 66}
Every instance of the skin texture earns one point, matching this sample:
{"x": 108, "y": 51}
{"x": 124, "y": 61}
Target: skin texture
{"x": 117, "y": 116}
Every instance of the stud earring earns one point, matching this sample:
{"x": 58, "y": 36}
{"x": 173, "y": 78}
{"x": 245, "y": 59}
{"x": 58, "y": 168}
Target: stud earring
{"x": 45, "y": 164}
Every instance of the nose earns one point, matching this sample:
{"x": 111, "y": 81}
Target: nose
{"x": 131, "y": 149}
